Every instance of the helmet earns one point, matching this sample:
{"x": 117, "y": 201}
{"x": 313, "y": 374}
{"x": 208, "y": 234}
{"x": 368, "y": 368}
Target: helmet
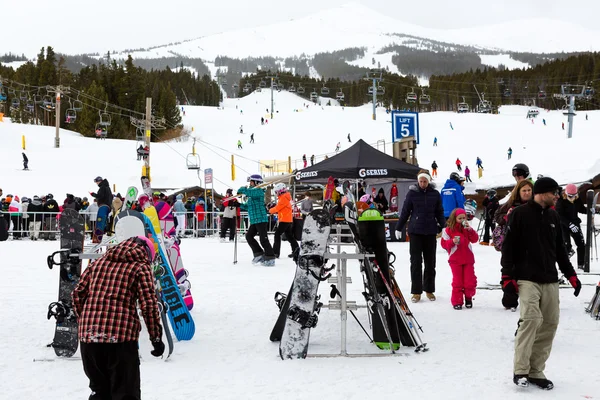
{"x": 365, "y": 198}
{"x": 98, "y": 179}
{"x": 455, "y": 177}
{"x": 280, "y": 188}
{"x": 148, "y": 245}
{"x": 470, "y": 208}
{"x": 143, "y": 200}
{"x": 49, "y": 196}
{"x": 491, "y": 192}
{"x": 256, "y": 178}
{"x": 520, "y": 170}
{"x": 571, "y": 190}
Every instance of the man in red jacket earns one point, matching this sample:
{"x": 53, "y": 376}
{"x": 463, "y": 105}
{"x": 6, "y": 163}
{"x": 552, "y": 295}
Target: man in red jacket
{"x": 109, "y": 327}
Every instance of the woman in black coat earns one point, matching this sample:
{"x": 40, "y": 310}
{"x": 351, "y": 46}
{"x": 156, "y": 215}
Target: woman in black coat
{"x": 423, "y": 205}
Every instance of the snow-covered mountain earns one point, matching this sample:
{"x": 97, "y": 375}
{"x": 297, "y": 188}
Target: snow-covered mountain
{"x": 355, "y": 25}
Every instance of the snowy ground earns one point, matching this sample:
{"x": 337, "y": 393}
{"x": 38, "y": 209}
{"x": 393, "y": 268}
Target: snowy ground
{"x": 231, "y": 356}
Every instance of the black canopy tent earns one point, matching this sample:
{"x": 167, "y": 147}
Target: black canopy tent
{"x": 360, "y": 161}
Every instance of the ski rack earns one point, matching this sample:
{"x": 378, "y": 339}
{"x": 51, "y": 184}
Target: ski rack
{"x": 341, "y": 280}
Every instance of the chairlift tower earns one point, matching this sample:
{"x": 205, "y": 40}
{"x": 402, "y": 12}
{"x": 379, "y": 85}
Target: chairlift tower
{"x": 374, "y": 75}
{"x": 571, "y": 92}
{"x": 272, "y": 78}
{"x": 59, "y": 90}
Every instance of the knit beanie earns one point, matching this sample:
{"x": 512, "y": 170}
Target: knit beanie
{"x": 459, "y": 211}
{"x": 544, "y": 185}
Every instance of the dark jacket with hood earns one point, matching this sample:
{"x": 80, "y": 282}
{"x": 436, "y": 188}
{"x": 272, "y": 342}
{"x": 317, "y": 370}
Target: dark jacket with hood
{"x": 568, "y": 211}
{"x": 424, "y": 207}
{"x": 35, "y": 207}
{"x": 533, "y": 244}
{"x": 104, "y": 195}
{"x": 381, "y": 202}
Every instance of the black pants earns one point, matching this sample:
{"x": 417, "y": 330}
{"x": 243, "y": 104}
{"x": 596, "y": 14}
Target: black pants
{"x": 489, "y": 227}
{"x": 16, "y": 225}
{"x": 228, "y": 223}
{"x": 259, "y": 229}
{"x": 113, "y": 370}
{"x": 468, "y": 178}
{"x": 289, "y": 234}
{"x": 579, "y": 242}
{"x": 422, "y": 248}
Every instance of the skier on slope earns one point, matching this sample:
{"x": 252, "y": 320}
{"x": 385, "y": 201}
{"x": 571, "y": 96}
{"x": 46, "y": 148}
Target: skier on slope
{"x": 252, "y": 138}
{"x": 337, "y": 147}
{"x": 25, "y": 162}
{"x": 458, "y": 164}
{"x": 239, "y": 144}
{"x": 468, "y": 174}
{"x": 283, "y": 209}
{"x": 350, "y": 141}
{"x": 257, "y": 215}
{"x": 105, "y": 302}
{"x": 304, "y": 159}
{"x": 434, "y": 168}
{"x": 479, "y": 163}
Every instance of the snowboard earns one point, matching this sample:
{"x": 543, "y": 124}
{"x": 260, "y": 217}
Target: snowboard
{"x": 283, "y": 309}
{"x": 72, "y": 234}
{"x": 129, "y": 224}
{"x": 304, "y": 302}
{"x": 130, "y": 198}
{"x": 101, "y": 222}
{"x": 181, "y": 321}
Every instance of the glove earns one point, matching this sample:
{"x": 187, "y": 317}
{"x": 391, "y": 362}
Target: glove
{"x": 159, "y": 348}
{"x": 576, "y": 283}
{"x": 398, "y": 235}
{"x": 509, "y": 285}
{"x": 573, "y": 228}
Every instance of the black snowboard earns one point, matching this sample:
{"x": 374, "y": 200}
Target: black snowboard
{"x": 72, "y": 234}
{"x": 280, "y": 323}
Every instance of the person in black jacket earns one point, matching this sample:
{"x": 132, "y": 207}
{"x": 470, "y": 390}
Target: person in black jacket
{"x": 380, "y": 201}
{"x": 35, "y": 210}
{"x": 532, "y": 246}
{"x": 50, "y": 209}
{"x": 423, "y": 205}
{"x": 25, "y": 162}
{"x": 490, "y": 203}
{"x": 104, "y": 197}
{"x": 567, "y": 208}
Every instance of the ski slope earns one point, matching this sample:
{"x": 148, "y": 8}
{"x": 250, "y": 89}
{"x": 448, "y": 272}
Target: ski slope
{"x": 296, "y": 130}
{"x": 230, "y": 356}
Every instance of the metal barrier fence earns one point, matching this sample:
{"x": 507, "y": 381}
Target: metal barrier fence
{"x": 39, "y": 225}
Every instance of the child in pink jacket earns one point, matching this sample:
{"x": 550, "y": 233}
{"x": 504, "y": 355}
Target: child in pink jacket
{"x": 456, "y": 239}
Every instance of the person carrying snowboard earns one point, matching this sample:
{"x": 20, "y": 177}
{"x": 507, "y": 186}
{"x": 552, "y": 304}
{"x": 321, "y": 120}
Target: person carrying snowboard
{"x": 105, "y": 302}
{"x": 104, "y": 198}
{"x": 25, "y": 162}
{"x": 490, "y": 204}
{"x": 257, "y": 214}
{"x": 458, "y": 164}
{"x": 434, "y": 168}
{"x": 283, "y": 209}
{"x": 479, "y": 163}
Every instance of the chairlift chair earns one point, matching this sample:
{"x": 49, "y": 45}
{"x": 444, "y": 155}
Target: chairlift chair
{"x": 29, "y": 105}
{"x": 258, "y": 89}
{"x": 23, "y": 96}
{"x": 411, "y": 97}
{"x": 235, "y": 86}
{"x": 192, "y": 161}
{"x": 48, "y": 102}
{"x": 71, "y": 116}
{"x": 262, "y": 83}
{"x": 291, "y": 88}
{"x": 139, "y": 135}
{"x": 541, "y": 94}
{"x": 300, "y": 90}
{"x": 38, "y": 99}
{"x": 424, "y": 99}
{"x": 507, "y": 93}
{"x": 11, "y": 91}
{"x": 324, "y": 90}
{"x": 15, "y": 103}
{"x": 77, "y": 105}
{"x": 370, "y": 90}
{"x": 104, "y": 118}
{"x": 245, "y": 89}
{"x": 340, "y": 95}
{"x": 380, "y": 90}
{"x": 101, "y": 131}
{"x": 314, "y": 96}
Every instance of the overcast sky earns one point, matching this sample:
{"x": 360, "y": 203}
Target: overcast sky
{"x": 85, "y": 26}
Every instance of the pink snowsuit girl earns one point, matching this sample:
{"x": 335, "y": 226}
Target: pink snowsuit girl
{"x": 461, "y": 260}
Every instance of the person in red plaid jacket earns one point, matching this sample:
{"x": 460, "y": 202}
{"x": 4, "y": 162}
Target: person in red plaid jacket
{"x": 109, "y": 327}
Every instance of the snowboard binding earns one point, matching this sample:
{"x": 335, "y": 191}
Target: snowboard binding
{"x": 65, "y": 255}
{"x": 61, "y": 311}
{"x": 304, "y": 318}
{"x": 280, "y": 300}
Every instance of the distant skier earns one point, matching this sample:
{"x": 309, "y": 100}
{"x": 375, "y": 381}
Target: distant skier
{"x": 25, "y": 162}
{"x": 451, "y": 127}
{"x": 240, "y": 145}
{"x": 544, "y": 121}
{"x": 458, "y": 164}
{"x": 586, "y": 117}
{"x": 435, "y": 141}
{"x": 509, "y": 153}
{"x": 241, "y": 128}
{"x": 252, "y": 138}
{"x": 563, "y": 126}
{"x": 468, "y": 174}
{"x": 337, "y": 147}
{"x": 304, "y": 160}
{"x": 312, "y": 160}
{"x": 479, "y": 163}
{"x": 434, "y": 168}
{"x": 350, "y": 141}
{"x": 262, "y": 120}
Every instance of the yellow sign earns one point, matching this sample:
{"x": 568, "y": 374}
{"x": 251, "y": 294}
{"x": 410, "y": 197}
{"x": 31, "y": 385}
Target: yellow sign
{"x": 22, "y": 140}
{"x": 232, "y": 169}
{"x": 148, "y": 133}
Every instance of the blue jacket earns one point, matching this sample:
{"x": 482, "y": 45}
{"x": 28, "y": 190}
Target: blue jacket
{"x": 452, "y": 197}
{"x": 424, "y": 208}
{"x": 179, "y": 208}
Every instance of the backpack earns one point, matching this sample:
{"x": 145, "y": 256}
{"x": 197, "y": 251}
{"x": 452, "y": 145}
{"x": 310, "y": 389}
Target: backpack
{"x": 498, "y": 236}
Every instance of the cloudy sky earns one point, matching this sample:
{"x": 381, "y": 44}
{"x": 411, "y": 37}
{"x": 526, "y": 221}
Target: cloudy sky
{"x": 84, "y": 26}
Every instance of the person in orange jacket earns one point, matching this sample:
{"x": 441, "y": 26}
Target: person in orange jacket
{"x": 283, "y": 209}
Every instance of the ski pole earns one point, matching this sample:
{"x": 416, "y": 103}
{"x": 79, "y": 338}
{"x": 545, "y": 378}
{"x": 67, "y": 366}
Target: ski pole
{"x": 235, "y": 249}
{"x": 334, "y": 292}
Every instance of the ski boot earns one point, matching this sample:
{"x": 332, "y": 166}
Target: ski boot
{"x": 257, "y": 259}
{"x": 270, "y": 262}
